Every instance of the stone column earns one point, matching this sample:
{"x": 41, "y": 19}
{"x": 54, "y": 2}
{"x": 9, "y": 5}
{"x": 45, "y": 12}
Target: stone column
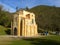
{"x": 28, "y": 31}
{"x": 18, "y": 27}
{"x": 32, "y": 30}
{"x": 23, "y": 27}
{"x": 35, "y": 30}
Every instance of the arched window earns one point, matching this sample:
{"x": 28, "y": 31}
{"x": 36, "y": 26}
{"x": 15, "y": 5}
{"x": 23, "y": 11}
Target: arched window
{"x": 32, "y": 21}
{"x": 28, "y": 16}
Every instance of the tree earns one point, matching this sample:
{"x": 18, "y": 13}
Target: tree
{"x": 5, "y": 17}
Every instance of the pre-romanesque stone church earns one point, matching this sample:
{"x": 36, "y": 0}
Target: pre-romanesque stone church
{"x": 23, "y": 24}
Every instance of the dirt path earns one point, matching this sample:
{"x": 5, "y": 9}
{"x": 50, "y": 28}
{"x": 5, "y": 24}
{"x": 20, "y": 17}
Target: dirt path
{"x": 5, "y": 40}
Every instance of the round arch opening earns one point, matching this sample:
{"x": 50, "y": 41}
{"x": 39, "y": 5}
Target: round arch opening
{"x": 15, "y": 31}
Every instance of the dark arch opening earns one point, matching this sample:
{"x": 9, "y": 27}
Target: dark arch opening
{"x": 15, "y": 31}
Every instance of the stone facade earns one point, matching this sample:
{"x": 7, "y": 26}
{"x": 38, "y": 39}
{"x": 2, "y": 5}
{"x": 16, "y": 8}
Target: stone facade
{"x": 24, "y": 24}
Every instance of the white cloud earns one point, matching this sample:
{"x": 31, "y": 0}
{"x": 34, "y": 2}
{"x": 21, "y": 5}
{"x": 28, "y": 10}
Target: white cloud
{"x": 7, "y": 8}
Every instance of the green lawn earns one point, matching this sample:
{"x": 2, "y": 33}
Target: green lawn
{"x": 49, "y": 40}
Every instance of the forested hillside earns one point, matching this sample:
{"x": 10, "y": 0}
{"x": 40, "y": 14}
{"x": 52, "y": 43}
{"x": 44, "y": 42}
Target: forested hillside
{"x": 47, "y": 17}
{"x": 5, "y": 17}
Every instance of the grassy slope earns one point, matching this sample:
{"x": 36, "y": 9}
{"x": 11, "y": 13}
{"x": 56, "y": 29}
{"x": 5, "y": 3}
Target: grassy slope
{"x": 2, "y": 30}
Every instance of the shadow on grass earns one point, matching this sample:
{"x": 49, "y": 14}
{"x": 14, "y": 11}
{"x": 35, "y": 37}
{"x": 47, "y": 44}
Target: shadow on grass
{"x": 43, "y": 41}
{"x": 8, "y": 31}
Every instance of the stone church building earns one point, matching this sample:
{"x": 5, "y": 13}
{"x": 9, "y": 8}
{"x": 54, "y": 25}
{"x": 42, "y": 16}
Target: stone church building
{"x": 23, "y": 24}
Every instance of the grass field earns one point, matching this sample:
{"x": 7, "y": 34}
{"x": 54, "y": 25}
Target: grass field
{"x": 2, "y": 30}
{"x": 48, "y": 40}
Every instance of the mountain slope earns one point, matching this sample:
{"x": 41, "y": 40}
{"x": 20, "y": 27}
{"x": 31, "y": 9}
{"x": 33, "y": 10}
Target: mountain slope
{"x": 47, "y": 17}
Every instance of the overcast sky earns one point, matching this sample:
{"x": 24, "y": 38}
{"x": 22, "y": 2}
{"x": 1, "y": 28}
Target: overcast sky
{"x": 12, "y": 4}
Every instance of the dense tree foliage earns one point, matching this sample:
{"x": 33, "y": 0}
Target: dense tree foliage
{"x": 47, "y": 17}
{"x": 5, "y": 17}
